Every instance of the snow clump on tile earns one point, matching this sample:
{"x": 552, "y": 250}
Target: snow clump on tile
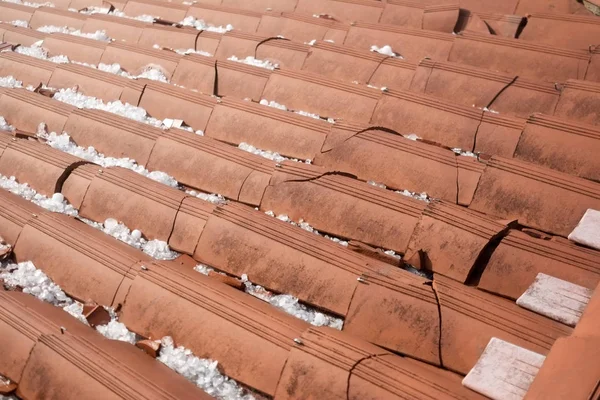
{"x": 386, "y": 51}
{"x": 210, "y": 197}
{"x": 56, "y": 203}
{"x": 203, "y": 26}
{"x": 255, "y": 62}
{"x": 292, "y": 306}
{"x": 263, "y": 153}
{"x": 307, "y": 227}
{"x": 28, "y": 4}
{"x": 98, "y": 35}
{"x": 37, "y": 51}
{"x": 462, "y": 152}
{"x": 10, "y": 82}
{"x": 20, "y": 23}
{"x": 33, "y": 281}
{"x": 201, "y": 371}
{"x": 5, "y": 126}
{"x": 116, "y": 330}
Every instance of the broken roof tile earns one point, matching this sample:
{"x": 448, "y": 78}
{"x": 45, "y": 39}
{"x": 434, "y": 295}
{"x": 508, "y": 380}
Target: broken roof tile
{"x": 551, "y": 29}
{"x": 519, "y": 257}
{"x": 539, "y": 197}
{"x": 519, "y": 57}
{"x": 343, "y": 10}
{"x": 395, "y": 73}
{"x": 77, "y": 183}
{"x": 302, "y": 27}
{"x": 165, "y": 10}
{"x": 137, "y": 201}
{"x": 196, "y": 72}
{"x": 262, "y": 5}
{"x": 296, "y": 91}
{"x": 117, "y": 28}
{"x": 250, "y": 339}
{"x": 29, "y": 70}
{"x": 85, "y": 262}
{"x": 14, "y": 12}
{"x": 15, "y": 212}
{"x": 400, "y": 163}
{"x": 412, "y": 44}
{"x": 136, "y": 59}
{"x": 339, "y": 205}
{"x": 233, "y": 173}
{"x": 217, "y": 15}
{"x": 45, "y": 16}
{"x": 267, "y": 128}
{"x": 430, "y": 15}
{"x": 41, "y": 166}
{"x": 189, "y": 223}
{"x": 240, "y": 80}
{"x": 453, "y": 239}
{"x": 469, "y": 172}
{"x": 498, "y": 134}
{"x": 74, "y": 47}
{"x": 23, "y": 36}
{"x": 580, "y": 101}
{"x": 179, "y": 37}
{"x": 593, "y": 71}
{"x": 112, "y": 134}
{"x": 26, "y": 110}
{"x": 498, "y": 24}
{"x": 561, "y": 145}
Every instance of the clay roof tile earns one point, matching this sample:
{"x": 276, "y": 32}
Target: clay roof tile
{"x": 44, "y": 16}
{"x": 431, "y": 15}
{"x": 176, "y": 37}
{"x": 117, "y": 28}
{"x": 262, "y": 5}
{"x": 580, "y": 101}
{"x": 23, "y": 36}
{"x": 169, "y": 11}
{"x": 189, "y": 223}
{"x": 217, "y": 15}
{"x": 196, "y": 72}
{"x": 74, "y": 47}
{"x": 493, "y": 23}
{"x": 344, "y": 10}
{"x": 551, "y": 29}
{"x": 134, "y": 59}
{"x": 302, "y": 27}
{"x": 77, "y": 183}
{"x": 395, "y": 73}
{"x": 15, "y": 212}
{"x": 498, "y": 134}
{"x": 25, "y": 110}
{"x": 15, "y": 12}
{"x": 29, "y": 70}
{"x": 240, "y": 80}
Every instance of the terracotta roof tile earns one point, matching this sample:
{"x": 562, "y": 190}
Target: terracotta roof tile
{"x": 196, "y": 72}
{"x": 15, "y": 212}
{"x": 83, "y": 261}
{"x": 115, "y": 27}
{"x": 524, "y": 58}
{"x": 395, "y": 73}
{"x": 580, "y": 101}
{"x": 500, "y": 24}
{"x": 135, "y": 59}
{"x": 342, "y": 206}
{"x": 76, "y": 366}
{"x": 75, "y": 48}
{"x": 283, "y": 258}
{"x": 519, "y": 257}
{"x": 571, "y": 359}
{"x": 37, "y": 164}
{"x": 400, "y": 163}
{"x": 480, "y": 87}
{"x": 15, "y": 12}
{"x": 296, "y": 90}
{"x": 240, "y": 80}
{"x": 77, "y": 183}
{"x": 498, "y": 134}
{"x": 545, "y": 6}
{"x": 179, "y": 38}
{"x": 29, "y": 70}
{"x": 551, "y": 29}
{"x": 234, "y": 173}
{"x": 469, "y": 172}
{"x": 470, "y": 234}
{"x": 588, "y": 324}
{"x": 217, "y": 15}
{"x": 593, "y": 72}
{"x": 302, "y": 27}
{"x": 89, "y": 81}
{"x": 539, "y": 197}
{"x": 139, "y": 202}
{"x": 22, "y": 36}
{"x": 431, "y": 15}
{"x": 250, "y": 339}
{"x": 433, "y": 119}
{"x": 412, "y": 44}
{"x": 267, "y": 128}
{"x": 344, "y": 10}
{"x": 505, "y": 7}
{"x": 166, "y": 10}
{"x": 561, "y": 145}
{"x": 262, "y": 5}
{"x": 53, "y": 16}
{"x": 162, "y": 100}
{"x": 189, "y": 224}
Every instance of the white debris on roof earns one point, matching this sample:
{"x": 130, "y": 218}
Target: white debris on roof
{"x": 263, "y": 153}
{"x": 462, "y": 152}
{"x": 274, "y": 104}
{"x": 292, "y": 306}
{"x": 412, "y": 136}
{"x": 152, "y": 72}
{"x": 63, "y": 143}
{"x": 418, "y": 196}
{"x": 203, "y": 26}
{"x": 37, "y": 51}
{"x": 56, "y": 203}
{"x": 20, "y": 23}
{"x": 192, "y": 51}
{"x": 98, "y": 35}
{"x": 386, "y": 51}
{"x": 306, "y": 226}
{"x": 28, "y": 4}
{"x": 116, "y": 330}
{"x": 255, "y": 62}
{"x": 5, "y": 126}
{"x": 490, "y": 110}
{"x": 587, "y": 231}
{"x": 311, "y": 43}
{"x": 10, "y": 82}
{"x": 210, "y": 197}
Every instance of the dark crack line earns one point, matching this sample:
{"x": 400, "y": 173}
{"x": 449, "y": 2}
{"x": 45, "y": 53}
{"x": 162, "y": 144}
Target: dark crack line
{"x": 175, "y": 219}
{"x": 335, "y": 173}
{"x": 481, "y": 262}
{"x": 216, "y": 83}
{"x": 352, "y": 370}
{"x": 196, "y": 40}
{"x": 376, "y": 68}
{"x": 267, "y": 40}
{"x": 439, "y": 307}
{"x": 371, "y": 128}
{"x": 502, "y": 90}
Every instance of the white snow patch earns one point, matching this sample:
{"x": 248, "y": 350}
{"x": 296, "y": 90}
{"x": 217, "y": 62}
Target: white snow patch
{"x": 20, "y": 23}
{"x": 98, "y": 35}
{"x": 386, "y": 51}
{"x": 203, "y": 26}
{"x": 412, "y": 136}
{"x": 5, "y": 126}
{"x": 33, "y": 281}
{"x": 10, "y": 82}
{"x": 210, "y": 197}
{"x": 201, "y": 371}
{"x": 263, "y": 153}
{"x": 192, "y": 51}
{"x": 306, "y": 226}
{"x": 462, "y": 152}
{"x": 37, "y": 51}
{"x": 116, "y": 330}
{"x": 29, "y": 4}
{"x": 255, "y": 62}
{"x": 418, "y": 196}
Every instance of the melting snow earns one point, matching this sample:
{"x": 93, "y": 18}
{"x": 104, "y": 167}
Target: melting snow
{"x": 203, "y": 26}
{"x": 98, "y": 35}
{"x": 255, "y": 62}
{"x": 385, "y": 50}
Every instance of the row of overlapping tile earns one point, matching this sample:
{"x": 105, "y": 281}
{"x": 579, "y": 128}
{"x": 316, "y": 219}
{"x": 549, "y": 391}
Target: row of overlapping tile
{"x": 257, "y": 345}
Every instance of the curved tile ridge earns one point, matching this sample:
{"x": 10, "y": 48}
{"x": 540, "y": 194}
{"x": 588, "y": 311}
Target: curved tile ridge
{"x": 15, "y": 12}
{"x": 438, "y": 120}
{"x": 343, "y": 10}
{"x": 162, "y": 101}
{"x": 133, "y": 58}
{"x": 498, "y": 134}
{"x": 281, "y": 257}
{"x": 339, "y": 205}
{"x": 364, "y": 371}
{"x": 519, "y": 57}
{"x": 519, "y": 257}
{"x": 561, "y": 145}
{"x": 470, "y": 233}
{"x": 115, "y": 27}
{"x": 539, "y": 197}
{"x": 233, "y": 173}
{"x": 37, "y": 164}
{"x": 76, "y": 185}
{"x": 240, "y": 80}
{"x": 75, "y": 48}
{"x": 550, "y": 29}
{"x": 15, "y": 213}
{"x": 22, "y": 36}
{"x": 296, "y": 90}
{"x": 83, "y": 261}
{"x": 165, "y": 10}
{"x": 112, "y": 135}
{"x": 217, "y": 15}
{"x": 138, "y": 202}
{"x": 401, "y": 163}
{"x": 250, "y": 338}
{"x": 29, "y": 70}
{"x": 469, "y": 311}
{"x": 26, "y": 109}
{"x": 89, "y": 81}
{"x": 189, "y": 224}
{"x": 289, "y": 134}
{"x": 53, "y": 16}
{"x": 302, "y": 27}
{"x": 580, "y": 101}
{"x": 25, "y": 319}
{"x": 99, "y": 367}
